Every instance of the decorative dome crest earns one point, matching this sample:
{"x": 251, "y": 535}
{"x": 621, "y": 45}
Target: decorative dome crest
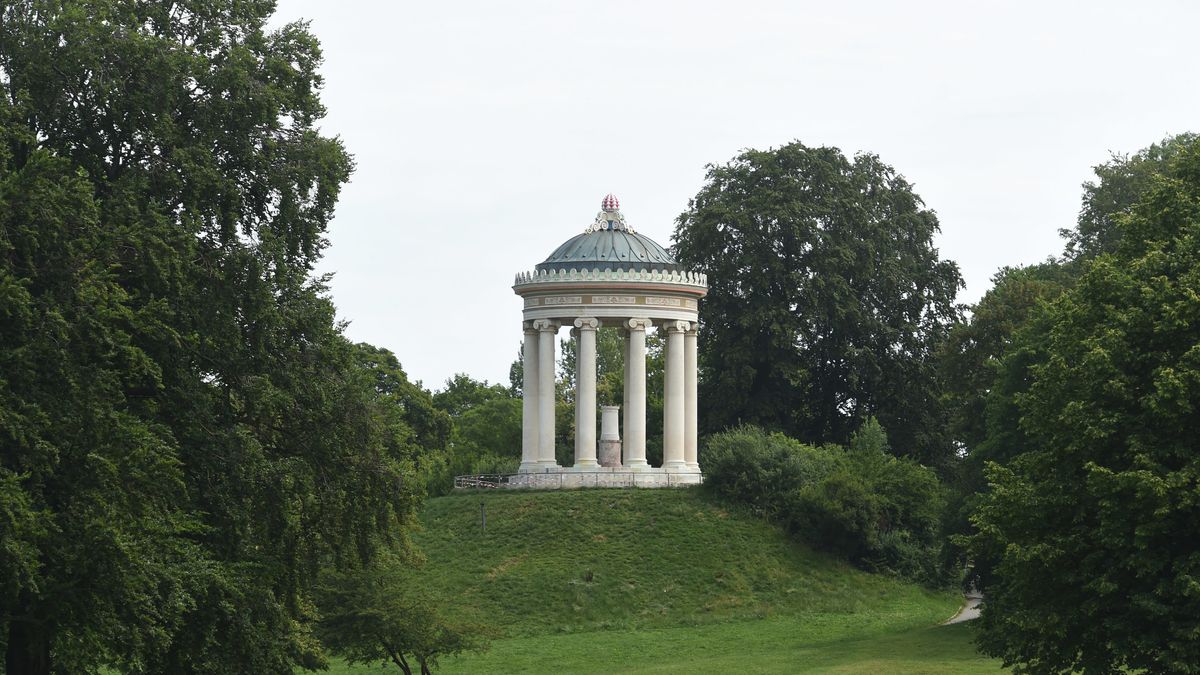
{"x": 610, "y": 217}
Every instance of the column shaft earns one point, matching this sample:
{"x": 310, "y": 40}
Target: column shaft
{"x": 625, "y": 394}
{"x": 585, "y": 394}
{"x": 635, "y": 415}
{"x": 547, "y": 333}
{"x": 690, "y": 441}
{"x": 673, "y": 398}
{"x": 529, "y": 400}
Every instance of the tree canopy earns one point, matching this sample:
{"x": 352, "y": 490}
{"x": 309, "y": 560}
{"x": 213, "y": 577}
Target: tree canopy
{"x": 827, "y": 298}
{"x": 187, "y": 436}
{"x": 1119, "y": 184}
{"x": 1089, "y": 530}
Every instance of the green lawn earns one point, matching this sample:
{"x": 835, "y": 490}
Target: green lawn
{"x": 829, "y": 644}
{"x": 655, "y": 559}
{"x": 779, "y": 645}
{"x": 608, "y": 581}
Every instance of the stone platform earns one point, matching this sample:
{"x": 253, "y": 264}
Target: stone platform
{"x": 569, "y": 478}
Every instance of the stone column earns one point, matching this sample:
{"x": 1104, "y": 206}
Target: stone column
{"x": 673, "y": 398}
{"x": 547, "y": 334}
{"x": 690, "y": 449}
{"x": 529, "y": 400}
{"x": 635, "y": 415}
{"x": 585, "y": 394}
{"x": 625, "y": 387}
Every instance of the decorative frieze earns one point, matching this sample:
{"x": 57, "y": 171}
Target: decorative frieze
{"x": 648, "y": 300}
{"x": 665, "y": 302}
{"x": 614, "y": 299}
{"x": 562, "y": 300}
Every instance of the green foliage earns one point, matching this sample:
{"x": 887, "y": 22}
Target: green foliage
{"x": 486, "y": 436}
{"x": 827, "y": 302}
{"x": 969, "y": 368}
{"x": 1087, "y": 533}
{"x": 412, "y": 411}
{"x": 463, "y": 393}
{"x": 761, "y": 469}
{"x": 876, "y": 510}
{"x": 970, "y": 357}
{"x": 1119, "y": 185}
{"x": 187, "y": 436}
{"x": 384, "y": 613}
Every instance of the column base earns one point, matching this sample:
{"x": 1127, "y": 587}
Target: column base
{"x": 584, "y": 465}
{"x": 677, "y": 466}
{"x": 636, "y": 465}
{"x": 529, "y": 467}
{"x": 693, "y": 467}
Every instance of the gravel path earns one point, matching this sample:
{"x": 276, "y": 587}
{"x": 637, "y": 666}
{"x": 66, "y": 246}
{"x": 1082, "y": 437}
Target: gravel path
{"x": 970, "y": 610}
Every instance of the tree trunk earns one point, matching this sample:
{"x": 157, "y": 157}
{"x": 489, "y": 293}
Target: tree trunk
{"x": 28, "y": 649}
{"x": 399, "y": 660}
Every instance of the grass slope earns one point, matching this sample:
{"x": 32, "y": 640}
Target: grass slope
{"x": 667, "y": 581}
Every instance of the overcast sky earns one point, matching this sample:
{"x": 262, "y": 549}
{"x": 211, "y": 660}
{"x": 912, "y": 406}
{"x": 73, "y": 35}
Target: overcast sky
{"x": 486, "y": 133}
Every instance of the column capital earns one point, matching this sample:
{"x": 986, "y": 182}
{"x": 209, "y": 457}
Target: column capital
{"x": 528, "y": 327}
{"x": 586, "y": 323}
{"x": 677, "y": 326}
{"x": 694, "y": 330}
{"x": 639, "y": 324}
{"x": 546, "y": 325}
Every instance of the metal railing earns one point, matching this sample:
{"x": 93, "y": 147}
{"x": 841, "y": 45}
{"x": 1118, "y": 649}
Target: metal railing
{"x": 576, "y": 479}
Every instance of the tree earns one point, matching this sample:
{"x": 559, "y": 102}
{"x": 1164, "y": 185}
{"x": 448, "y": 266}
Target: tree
{"x": 462, "y": 393}
{"x": 1089, "y": 531}
{"x": 827, "y": 299}
{"x": 1120, "y": 183}
{"x": 968, "y": 359}
{"x": 382, "y": 613}
{"x": 187, "y": 436}
{"x": 486, "y": 436}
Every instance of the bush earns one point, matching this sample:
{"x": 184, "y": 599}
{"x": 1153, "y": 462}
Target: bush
{"x": 863, "y": 504}
{"x": 756, "y": 468}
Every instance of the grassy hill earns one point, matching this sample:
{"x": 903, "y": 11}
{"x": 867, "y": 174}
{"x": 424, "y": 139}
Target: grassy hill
{"x": 666, "y": 580}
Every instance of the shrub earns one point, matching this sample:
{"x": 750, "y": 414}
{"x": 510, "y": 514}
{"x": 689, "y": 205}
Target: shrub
{"x": 876, "y": 510}
{"x": 756, "y": 468}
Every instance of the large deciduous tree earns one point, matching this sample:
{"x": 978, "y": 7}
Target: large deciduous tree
{"x": 186, "y": 436}
{"x": 827, "y": 297}
{"x": 1089, "y": 532}
{"x": 1119, "y": 184}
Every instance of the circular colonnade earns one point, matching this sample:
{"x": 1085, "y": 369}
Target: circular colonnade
{"x": 611, "y": 276}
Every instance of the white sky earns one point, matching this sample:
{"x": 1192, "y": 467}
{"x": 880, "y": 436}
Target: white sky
{"x": 486, "y": 133}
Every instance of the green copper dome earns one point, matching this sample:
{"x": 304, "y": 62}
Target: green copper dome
{"x": 610, "y": 244}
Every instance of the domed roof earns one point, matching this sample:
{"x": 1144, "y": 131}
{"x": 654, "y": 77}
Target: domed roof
{"x": 610, "y": 244}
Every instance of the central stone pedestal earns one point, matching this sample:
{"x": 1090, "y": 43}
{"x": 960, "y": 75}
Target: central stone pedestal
{"x": 610, "y": 440}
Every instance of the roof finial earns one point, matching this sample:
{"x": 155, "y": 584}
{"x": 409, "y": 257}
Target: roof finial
{"x": 610, "y": 217}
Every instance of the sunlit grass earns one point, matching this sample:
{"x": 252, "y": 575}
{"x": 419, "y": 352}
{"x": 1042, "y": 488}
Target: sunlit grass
{"x": 605, "y": 581}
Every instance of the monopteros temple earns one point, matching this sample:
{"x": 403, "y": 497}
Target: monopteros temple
{"x": 609, "y": 275}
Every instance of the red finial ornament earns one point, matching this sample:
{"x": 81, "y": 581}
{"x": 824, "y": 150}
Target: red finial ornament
{"x": 610, "y": 203}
